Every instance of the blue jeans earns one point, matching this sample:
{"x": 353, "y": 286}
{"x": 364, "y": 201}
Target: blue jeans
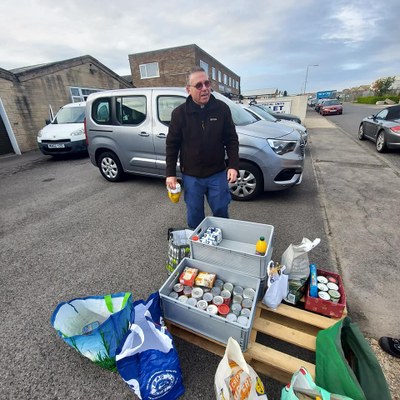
{"x": 216, "y": 190}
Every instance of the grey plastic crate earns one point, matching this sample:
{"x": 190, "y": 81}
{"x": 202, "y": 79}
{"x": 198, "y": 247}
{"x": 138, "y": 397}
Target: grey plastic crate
{"x": 237, "y": 249}
{"x": 212, "y": 326}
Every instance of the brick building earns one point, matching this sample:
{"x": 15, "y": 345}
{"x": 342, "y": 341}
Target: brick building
{"x": 169, "y": 67}
{"x": 26, "y": 94}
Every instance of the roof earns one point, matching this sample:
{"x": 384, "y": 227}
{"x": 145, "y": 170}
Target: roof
{"x": 259, "y": 92}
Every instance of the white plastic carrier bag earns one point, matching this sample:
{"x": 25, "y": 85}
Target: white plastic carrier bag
{"x": 277, "y": 285}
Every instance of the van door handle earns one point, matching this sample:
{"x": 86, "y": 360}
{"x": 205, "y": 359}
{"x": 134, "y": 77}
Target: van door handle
{"x": 143, "y": 133}
{"x": 162, "y": 135}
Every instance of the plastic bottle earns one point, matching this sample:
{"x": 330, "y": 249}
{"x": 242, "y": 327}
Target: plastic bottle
{"x": 175, "y": 194}
{"x": 261, "y": 246}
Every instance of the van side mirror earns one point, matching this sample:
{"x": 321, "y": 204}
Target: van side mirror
{"x": 47, "y": 121}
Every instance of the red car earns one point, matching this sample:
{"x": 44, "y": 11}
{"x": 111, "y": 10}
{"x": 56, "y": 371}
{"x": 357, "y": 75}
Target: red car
{"x": 331, "y": 107}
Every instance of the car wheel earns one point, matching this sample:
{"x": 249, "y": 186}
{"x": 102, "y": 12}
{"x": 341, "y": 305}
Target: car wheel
{"x": 110, "y": 166}
{"x": 249, "y": 183}
{"x": 380, "y": 142}
{"x": 361, "y": 132}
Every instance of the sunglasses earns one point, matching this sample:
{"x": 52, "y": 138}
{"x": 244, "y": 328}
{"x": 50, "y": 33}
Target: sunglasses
{"x": 200, "y": 85}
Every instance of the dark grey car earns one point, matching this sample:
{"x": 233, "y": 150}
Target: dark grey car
{"x": 382, "y": 128}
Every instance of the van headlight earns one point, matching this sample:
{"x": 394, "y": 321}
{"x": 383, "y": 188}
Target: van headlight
{"x": 282, "y": 147}
{"x": 78, "y": 132}
{"x": 39, "y": 135}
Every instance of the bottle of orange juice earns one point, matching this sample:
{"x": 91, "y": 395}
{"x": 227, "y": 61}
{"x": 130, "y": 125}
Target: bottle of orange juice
{"x": 261, "y": 246}
{"x": 175, "y": 194}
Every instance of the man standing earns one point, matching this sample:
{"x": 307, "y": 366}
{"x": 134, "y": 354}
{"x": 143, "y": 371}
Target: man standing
{"x": 201, "y": 132}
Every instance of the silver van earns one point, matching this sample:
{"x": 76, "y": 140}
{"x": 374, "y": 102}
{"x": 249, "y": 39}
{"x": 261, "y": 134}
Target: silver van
{"x": 126, "y": 131}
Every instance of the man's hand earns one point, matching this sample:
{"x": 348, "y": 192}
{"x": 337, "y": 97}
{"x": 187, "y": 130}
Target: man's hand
{"x": 170, "y": 182}
{"x": 232, "y": 175}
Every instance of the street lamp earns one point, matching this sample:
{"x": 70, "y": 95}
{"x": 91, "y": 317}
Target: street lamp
{"x": 305, "y": 82}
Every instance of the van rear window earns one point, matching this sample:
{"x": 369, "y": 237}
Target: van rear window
{"x": 101, "y": 111}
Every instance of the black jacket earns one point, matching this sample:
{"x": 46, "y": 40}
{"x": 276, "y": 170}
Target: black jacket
{"x": 201, "y": 137}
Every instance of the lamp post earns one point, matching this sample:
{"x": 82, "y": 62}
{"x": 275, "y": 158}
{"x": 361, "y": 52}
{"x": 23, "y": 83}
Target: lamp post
{"x": 305, "y": 82}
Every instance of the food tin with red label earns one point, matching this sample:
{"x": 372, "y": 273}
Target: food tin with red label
{"x": 223, "y": 310}
{"x": 226, "y": 295}
{"x": 218, "y": 300}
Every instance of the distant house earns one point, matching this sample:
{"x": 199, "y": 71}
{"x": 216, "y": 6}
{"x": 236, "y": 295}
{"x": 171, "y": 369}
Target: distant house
{"x": 396, "y": 85}
{"x": 26, "y": 94}
{"x": 260, "y": 94}
{"x": 169, "y": 67}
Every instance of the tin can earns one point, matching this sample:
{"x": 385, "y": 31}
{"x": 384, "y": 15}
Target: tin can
{"x": 332, "y": 279}
{"x": 237, "y": 298}
{"x": 208, "y": 297}
{"x": 245, "y": 312}
{"x": 322, "y": 279}
{"x": 223, "y": 310}
{"x": 218, "y": 300}
{"x": 236, "y": 308}
{"x": 324, "y": 295}
{"x": 173, "y": 295}
{"x": 237, "y": 290}
{"x": 197, "y": 293}
{"x": 231, "y": 317}
{"x": 242, "y": 320}
{"x": 228, "y": 286}
{"x": 212, "y": 309}
{"x": 216, "y": 291}
{"x": 247, "y": 303}
{"x": 226, "y": 295}
{"x": 178, "y": 288}
{"x": 335, "y": 295}
{"x": 333, "y": 286}
{"x": 322, "y": 287}
{"x": 206, "y": 289}
{"x": 187, "y": 290}
{"x": 249, "y": 293}
{"x": 191, "y": 302}
{"x": 219, "y": 283}
{"x": 202, "y": 305}
{"x": 182, "y": 298}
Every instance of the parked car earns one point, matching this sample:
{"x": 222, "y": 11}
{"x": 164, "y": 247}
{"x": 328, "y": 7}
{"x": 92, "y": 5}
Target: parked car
{"x": 382, "y": 128}
{"x": 65, "y": 133}
{"x": 319, "y": 103}
{"x": 312, "y": 101}
{"x": 329, "y": 107}
{"x": 126, "y": 131}
{"x": 266, "y": 114}
{"x": 285, "y": 116}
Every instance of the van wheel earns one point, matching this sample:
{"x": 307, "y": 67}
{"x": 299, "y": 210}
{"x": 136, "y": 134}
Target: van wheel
{"x": 249, "y": 183}
{"x": 110, "y": 167}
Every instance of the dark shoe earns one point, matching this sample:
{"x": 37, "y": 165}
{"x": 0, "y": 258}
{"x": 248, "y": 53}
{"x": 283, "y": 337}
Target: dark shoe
{"x": 390, "y": 345}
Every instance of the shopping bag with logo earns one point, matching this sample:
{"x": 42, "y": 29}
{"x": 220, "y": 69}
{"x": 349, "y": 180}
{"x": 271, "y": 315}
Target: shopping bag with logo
{"x": 277, "y": 285}
{"x": 235, "y": 379}
{"x": 147, "y": 359}
{"x": 178, "y": 247}
{"x": 295, "y": 259}
{"x": 302, "y": 387}
{"x": 346, "y": 364}
{"x": 94, "y": 325}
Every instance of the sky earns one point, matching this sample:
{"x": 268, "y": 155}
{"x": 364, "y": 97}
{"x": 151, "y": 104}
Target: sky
{"x": 269, "y": 44}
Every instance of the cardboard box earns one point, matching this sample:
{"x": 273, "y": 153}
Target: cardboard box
{"x": 327, "y": 307}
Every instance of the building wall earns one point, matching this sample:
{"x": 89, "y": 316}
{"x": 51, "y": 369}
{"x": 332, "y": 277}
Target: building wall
{"x": 174, "y": 65}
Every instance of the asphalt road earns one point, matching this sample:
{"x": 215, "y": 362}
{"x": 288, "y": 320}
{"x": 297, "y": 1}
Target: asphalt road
{"x": 65, "y": 232}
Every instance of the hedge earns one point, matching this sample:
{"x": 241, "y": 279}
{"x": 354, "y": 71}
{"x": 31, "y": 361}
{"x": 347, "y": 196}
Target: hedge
{"x": 374, "y": 99}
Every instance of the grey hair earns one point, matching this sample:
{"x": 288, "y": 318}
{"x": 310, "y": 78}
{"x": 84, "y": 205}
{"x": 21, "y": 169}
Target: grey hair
{"x": 194, "y": 69}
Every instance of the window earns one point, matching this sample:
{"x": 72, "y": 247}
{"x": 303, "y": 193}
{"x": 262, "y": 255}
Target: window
{"x": 165, "y": 106}
{"x": 213, "y": 73}
{"x": 219, "y": 76}
{"x": 225, "y": 79}
{"x": 131, "y": 110}
{"x": 101, "y": 111}
{"x": 149, "y": 70}
{"x": 70, "y": 115}
{"x": 230, "y": 81}
{"x": 204, "y": 65}
{"x": 381, "y": 115}
{"x": 81, "y": 94}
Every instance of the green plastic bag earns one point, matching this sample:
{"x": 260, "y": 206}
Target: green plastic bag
{"x": 345, "y": 363}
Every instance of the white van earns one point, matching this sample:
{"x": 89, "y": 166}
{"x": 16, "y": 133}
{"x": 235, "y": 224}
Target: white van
{"x": 65, "y": 133}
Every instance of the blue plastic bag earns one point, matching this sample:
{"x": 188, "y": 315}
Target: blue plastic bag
{"x": 146, "y": 359}
{"x": 94, "y": 325}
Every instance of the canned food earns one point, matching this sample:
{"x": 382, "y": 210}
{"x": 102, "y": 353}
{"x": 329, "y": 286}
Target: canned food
{"x": 226, "y": 295}
{"x": 218, "y": 300}
{"x": 322, "y": 279}
{"x": 228, "y": 286}
{"x": 335, "y": 295}
{"x": 208, "y": 297}
{"x": 231, "y": 317}
{"x": 324, "y": 295}
{"x": 242, "y": 320}
{"x": 332, "y": 279}
{"x": 212, "y": 309}
{"x": 332, "y": 286}
{"x": 237, "y": 299}
{"x": 206, "y": 289}
{"x": 202, "y": 304}
{"x": 191, "y": 302}
{"x": 237, "y": 290}
{"x": 223, "y": 310}
{"x": 178, "y": 288}
{"x": 245, "y": 312}
{"x": 219, "y": 283}
{"x": 183, "y": 299}
{"x": 249, "y": 293}
{"x": 187, "y": 290}
{"x": 173, "y": 295}
{"x": 236, "y": 308}
{"x": 322, "y": 287}
{"x": 247, "y": 303}
{"x": 216, "y": 291}
{"x": 197, "y": 293}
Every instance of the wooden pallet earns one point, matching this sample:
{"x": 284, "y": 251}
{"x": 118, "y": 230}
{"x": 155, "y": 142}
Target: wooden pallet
{"x": 287, "y": 323}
